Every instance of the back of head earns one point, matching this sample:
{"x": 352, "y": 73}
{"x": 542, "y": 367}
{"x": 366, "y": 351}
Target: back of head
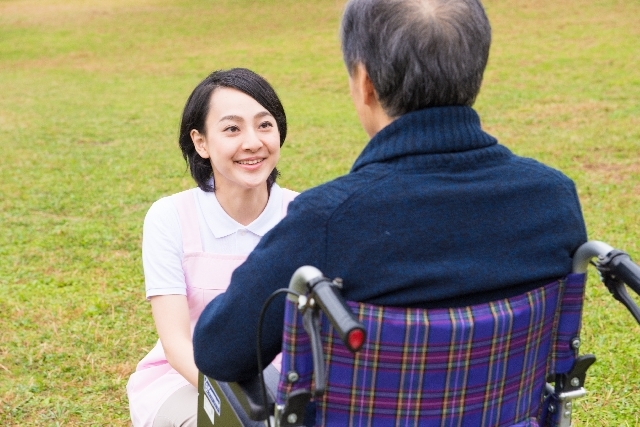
{"x": 418, "y": 53}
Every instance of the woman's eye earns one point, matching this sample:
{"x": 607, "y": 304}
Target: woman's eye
{"x": 265, "y": 125}
{"x": 231, "y": 129}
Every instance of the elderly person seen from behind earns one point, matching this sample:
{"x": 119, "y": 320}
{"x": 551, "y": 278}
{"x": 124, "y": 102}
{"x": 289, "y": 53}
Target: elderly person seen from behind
{"x": 434, "y": 212}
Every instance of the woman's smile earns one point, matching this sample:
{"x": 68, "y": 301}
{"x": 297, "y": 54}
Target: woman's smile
{"x": 250, "y": 162}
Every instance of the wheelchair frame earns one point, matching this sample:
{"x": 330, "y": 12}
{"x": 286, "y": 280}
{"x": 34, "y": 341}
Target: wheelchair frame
{"x": 242, "y": 404}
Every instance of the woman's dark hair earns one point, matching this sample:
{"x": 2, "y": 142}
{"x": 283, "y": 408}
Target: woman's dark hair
{"x": 196, "y": 110}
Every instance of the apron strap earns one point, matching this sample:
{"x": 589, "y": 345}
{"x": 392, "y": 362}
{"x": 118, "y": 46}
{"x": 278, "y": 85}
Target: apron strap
{"x": 287, "y": 197}
{"x": 185, "y": 202}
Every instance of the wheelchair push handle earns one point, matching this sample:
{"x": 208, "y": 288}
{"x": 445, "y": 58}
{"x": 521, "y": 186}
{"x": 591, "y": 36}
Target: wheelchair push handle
{"x": 616, "y": 269}
{"x": 317, "y": 289}
{"x": 621, "y": 265}
{"x": 351, "y": 332}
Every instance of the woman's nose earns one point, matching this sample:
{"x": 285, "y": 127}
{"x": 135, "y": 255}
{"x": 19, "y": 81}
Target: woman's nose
{"x": 251, "y": 141}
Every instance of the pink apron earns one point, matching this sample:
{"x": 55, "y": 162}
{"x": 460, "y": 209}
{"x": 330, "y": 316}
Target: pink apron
{"x": 206, "y": 275}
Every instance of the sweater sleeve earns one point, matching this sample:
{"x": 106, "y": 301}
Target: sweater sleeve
{"x": 225, "y": 335}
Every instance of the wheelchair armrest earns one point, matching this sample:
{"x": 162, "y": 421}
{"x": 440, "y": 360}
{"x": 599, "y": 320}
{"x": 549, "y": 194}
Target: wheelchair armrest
{"x": 249, "y": 394}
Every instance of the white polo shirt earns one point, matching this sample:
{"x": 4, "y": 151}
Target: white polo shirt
{"x": 219, "y": 233}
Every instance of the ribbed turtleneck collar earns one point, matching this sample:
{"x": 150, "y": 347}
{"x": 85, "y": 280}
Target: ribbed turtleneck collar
{"x": 439, "y": 130}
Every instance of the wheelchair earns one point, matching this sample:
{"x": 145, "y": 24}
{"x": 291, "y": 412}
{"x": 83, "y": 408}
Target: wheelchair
{"x": 512, "y": 362}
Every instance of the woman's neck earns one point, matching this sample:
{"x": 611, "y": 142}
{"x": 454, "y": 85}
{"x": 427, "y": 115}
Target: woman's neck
{"x": 244, "y": 205}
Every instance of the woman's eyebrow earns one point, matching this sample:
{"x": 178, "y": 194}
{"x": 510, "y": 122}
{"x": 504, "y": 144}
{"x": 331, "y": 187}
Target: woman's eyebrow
{"x": 263, "y": 114}
{"x": 239, "y": 118}
{"x": 231, "y": 117}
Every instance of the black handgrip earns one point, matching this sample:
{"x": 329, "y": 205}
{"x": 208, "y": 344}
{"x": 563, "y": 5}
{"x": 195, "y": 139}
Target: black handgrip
{"x": 351, "y": 331}
{"x": 626, "y": 270}
{"x": 617, "y": 269}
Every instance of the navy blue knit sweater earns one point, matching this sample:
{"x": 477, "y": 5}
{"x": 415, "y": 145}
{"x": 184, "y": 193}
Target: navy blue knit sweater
{"x": 433, "y": 213}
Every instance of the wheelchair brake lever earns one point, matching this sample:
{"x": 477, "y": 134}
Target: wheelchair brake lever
{"x": 310, "y": 320}
{"x": 617, "y": 269}
{"x": 321, "y": 294}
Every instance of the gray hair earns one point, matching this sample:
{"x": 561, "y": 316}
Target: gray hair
{"x": 418, "y": 53}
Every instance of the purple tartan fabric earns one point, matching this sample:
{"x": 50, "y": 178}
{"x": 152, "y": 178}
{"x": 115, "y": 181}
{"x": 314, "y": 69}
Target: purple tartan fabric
{"x": 483, "y": 365}
{"x": 569, "y": 323}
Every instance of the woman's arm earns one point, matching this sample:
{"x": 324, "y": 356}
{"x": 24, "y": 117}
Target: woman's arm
{"x": 224, "y": 338}
{"x": 171, "y": 315}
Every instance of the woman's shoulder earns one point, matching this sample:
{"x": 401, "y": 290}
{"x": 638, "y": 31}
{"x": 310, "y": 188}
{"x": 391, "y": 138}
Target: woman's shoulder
{"x": 288, "y": 195}
{"x": 282, "y": 196}
{"x": 166, "y": 208}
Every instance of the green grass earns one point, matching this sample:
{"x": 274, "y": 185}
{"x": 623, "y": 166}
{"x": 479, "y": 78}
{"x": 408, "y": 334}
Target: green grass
{"x": 90, "y": 99}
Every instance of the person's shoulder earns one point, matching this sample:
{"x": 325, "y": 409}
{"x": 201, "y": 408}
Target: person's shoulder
{"x": 540, "y": 169}
{"x": 164, "y": 209}
{"x": 283, "y": 197}
{"x": 288, "y": 195}
{"x": 545, "y": 178}
{"x": 328, "y": 197}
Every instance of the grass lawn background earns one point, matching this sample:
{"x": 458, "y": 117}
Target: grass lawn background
{"x": 90, "y": 98}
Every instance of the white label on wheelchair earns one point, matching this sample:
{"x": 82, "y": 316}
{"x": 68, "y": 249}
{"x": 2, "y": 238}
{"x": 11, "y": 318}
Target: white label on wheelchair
{"x": 208, "y": 409}
{"x": 212, "y": 399}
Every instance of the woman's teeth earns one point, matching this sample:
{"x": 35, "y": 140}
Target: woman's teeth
{"x": 249, "y": 162}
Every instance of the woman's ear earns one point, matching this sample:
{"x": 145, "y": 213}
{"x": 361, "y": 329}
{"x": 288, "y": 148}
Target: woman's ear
{"x": 200, "y": 143}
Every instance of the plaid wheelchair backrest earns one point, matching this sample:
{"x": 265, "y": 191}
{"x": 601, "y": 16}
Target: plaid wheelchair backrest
{"x": 483, "y": 365}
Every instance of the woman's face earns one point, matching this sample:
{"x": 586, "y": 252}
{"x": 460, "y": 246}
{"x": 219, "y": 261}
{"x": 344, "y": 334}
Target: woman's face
{"x": 241, "y": 140}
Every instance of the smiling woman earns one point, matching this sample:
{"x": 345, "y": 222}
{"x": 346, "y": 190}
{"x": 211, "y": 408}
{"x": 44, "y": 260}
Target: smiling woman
{"x": 233, "y": 126}
{"x": 242, "y": 141}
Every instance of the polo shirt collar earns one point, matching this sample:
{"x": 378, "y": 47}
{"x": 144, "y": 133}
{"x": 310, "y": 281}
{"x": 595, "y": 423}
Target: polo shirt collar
{"x": 222, "y": 225}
